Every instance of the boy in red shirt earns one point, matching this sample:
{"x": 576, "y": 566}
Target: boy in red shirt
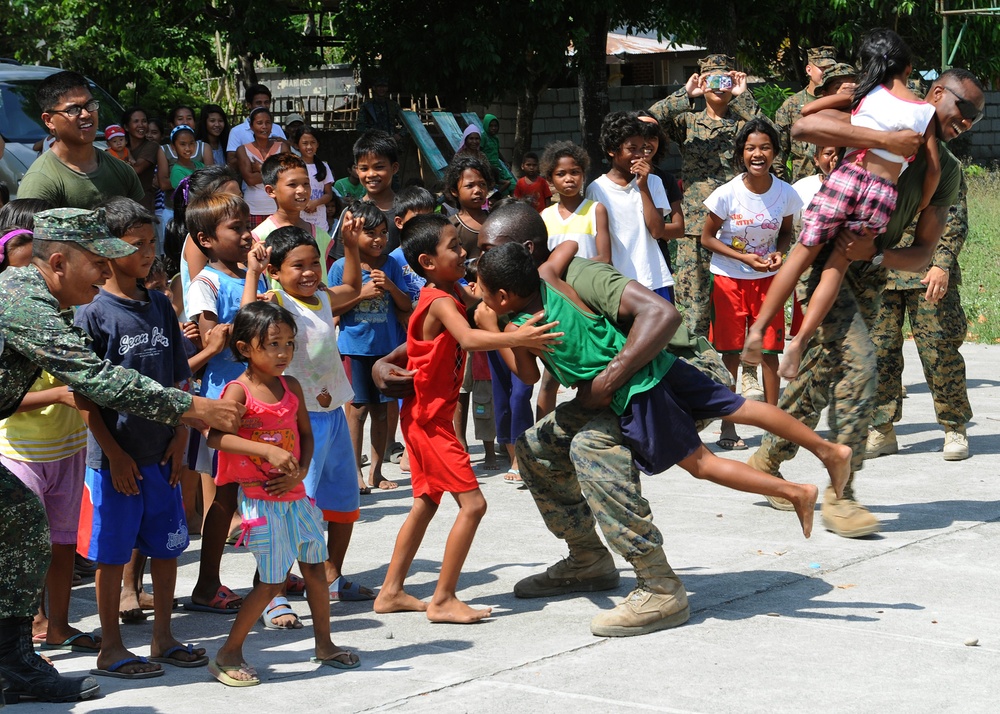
{"x": 531, "y": 185}
{"x": 438, "y": 336}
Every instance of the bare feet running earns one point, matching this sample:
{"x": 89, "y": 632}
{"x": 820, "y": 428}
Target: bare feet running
{"x": 790, "y": 360}
{"x": 455, "y": 611}
{"x": 398, "y": 602}
{"x": 805, "y": 506}
{"x": 382, "y": 483}
{"x": 838, "y": 464}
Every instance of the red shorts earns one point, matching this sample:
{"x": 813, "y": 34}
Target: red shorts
{"x": 736, "y": 304}
{"x": 438, "y": 463}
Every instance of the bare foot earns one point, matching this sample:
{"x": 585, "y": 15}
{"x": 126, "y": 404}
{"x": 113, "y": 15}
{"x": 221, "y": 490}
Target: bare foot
{"x": 455, "y": 611}
{"x": 382, "y": 483}
{"x": 789, "y": 367}
{"x": 838, "y": 464}
{"x": 107, "y": 657}
{"x": 805, "y": 506}
{"x": 752, "y": 346}
{"x": 398, "y": 602}
{"x": 330, "y": 652}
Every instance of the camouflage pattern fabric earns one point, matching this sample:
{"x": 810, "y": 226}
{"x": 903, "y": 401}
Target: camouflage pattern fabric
{"x": 800, "y": 152}
{"x": 837, "y": 371}
{"x": 88, "y": 229}
{"x": 36, "y": 335}
{"x": 938, "y": 331}
{"x": 579, "y": 472}
{"x": 707, "y": 151}
{"x": 24, "y": 561}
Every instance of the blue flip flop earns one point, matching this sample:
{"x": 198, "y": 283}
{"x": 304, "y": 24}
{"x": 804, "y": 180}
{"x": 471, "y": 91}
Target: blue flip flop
{"x": 167, "y": 658}
{"x": 69, "y": 645}
{"x": 112, "y": 671}
{"x": 276, "y": 608}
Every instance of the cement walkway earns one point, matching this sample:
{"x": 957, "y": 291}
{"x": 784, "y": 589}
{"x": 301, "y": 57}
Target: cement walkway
{"x": 778, "y": 623}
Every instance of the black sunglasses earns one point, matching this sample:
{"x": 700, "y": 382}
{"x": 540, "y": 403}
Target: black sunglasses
{"x": 967, "y": 109}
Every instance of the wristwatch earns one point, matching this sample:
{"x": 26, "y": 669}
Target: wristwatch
{"x": 878, "y": 258}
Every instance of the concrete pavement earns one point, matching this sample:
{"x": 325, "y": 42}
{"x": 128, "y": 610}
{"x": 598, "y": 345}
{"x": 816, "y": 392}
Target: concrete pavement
{"x": 779, "y": 623}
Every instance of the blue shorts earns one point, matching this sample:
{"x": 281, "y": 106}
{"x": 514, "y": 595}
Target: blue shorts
{"x": 365, "y": 391}
{"x": 332, "y": 481}
{"x": 280, "y": 532}
{"x": 153, "y": 521}
{"x": 667, "y": 293}
{"x": 659, "y": 425}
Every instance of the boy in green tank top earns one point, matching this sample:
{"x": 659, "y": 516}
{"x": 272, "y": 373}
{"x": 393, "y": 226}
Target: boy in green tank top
{"x": 659, "y": 404}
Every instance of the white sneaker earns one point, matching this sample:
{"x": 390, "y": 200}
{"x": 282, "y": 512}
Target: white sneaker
{"x": 956, "y": 445}
{"x": 750, "y": 387}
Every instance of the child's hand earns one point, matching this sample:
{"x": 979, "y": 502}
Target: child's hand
{"x": 191, "y": 331}
{"x": 761, "y": 265}
{"x": 695, "y": 86}
{"x": 774, "y": 260}
{"x": 217, "y": 338}
{"x": 537, "y": 337}
{"x": 351, "y": 229}
{"x": 381, "y": 281}
{"x": 640, "y": 169}
{"x": 846, "y": 88}
{"x": 739, "y": 82}
{"x": 486, "y": 319}
{"x": 310, "y": 207}
{"x": 279, "y": 484}
{"x": 283, "y": 461}
{"x": 258, "y": 258}
{"x": 124, "y": 474}
{"x": 174, "y": 455}
{"x": 370, "y": 290}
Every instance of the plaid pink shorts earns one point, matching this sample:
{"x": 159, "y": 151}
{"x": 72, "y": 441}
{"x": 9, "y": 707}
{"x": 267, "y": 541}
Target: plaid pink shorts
{"x": 851, "y": 198}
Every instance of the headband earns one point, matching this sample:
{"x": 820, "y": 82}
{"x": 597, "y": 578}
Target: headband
{"x": 9, "y": 236}
{"x": 182, "y": 127}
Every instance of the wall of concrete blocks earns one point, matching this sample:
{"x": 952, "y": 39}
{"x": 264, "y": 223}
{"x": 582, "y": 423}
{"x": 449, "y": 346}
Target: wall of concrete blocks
{"x": 557, "y": 119}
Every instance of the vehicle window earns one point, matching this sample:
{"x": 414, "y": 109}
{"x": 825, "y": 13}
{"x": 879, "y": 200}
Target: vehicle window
{"x": 21, "y": 117}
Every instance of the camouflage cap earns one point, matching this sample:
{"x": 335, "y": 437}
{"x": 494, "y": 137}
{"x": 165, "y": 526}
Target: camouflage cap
{"x": 87, "y": 229}
{"x": 822, "y": 57}
{"x": 715, "y": 63}
{"x": 837, "y": 71}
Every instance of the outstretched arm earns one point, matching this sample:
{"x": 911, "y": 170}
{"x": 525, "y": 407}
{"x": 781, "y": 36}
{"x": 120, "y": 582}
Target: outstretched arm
{"x": 840, "y": 102}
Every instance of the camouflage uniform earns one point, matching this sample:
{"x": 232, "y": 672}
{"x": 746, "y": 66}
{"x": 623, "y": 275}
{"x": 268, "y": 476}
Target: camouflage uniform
{"x": 800, "y": 152}
{"x": 838, "y": 368}
{"x": 707, "y": 149}
{"x": 938, "y": 331}
{"x": 35, "y": 335}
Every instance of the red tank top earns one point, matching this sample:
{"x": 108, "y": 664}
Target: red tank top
{"x": 275, "y": 424}
{"x": 439, "y": 363}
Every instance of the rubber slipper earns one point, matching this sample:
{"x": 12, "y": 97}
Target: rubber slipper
{"x": 346, "y": 591}
{"x": 112, "y": 671}
{"x": 512, "y": 476}
{"x": 336, "y": 664}
{"x": 221, "y": 673}
{"x": 731, "y": 444}
{"x": 69, "y": 644}
{"x": 294, "y": 585}
{"x": 364, "y": 490}
{"x": 395, "y": 452}
{"x": 278, "y": 607}
{"x": 222, "y": 603}
{"x": 133, "y": 616}
{"x": 234, "y": 535}
{"x": 168, "y": 658}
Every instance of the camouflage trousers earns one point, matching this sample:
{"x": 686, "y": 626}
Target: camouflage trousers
{"x": 24, "y": 548}
{"x": 938, "y": 331}
{"x": 837, "y": 370}
{"x": 578, "y": 471}
{"x": 693, "y": 284}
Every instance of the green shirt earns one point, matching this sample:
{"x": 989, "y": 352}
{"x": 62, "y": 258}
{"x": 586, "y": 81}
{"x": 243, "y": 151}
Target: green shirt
{"x": 35, "y": 335}
{"x": 51, "y": 179}
{"x": 346, "y": 189}
{"x": 590, "y": 343}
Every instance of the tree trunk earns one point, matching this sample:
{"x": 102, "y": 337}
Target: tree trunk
{"x": 247, "y": 72}
{"x": 592, "y": 78}
{"x": 527, "y": 103}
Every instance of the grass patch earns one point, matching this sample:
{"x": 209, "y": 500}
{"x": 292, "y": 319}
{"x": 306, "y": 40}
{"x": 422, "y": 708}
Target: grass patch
{"x": 980, "y": 289}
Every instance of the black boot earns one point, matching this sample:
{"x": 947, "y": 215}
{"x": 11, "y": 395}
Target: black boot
{"x": 29, "y": 676}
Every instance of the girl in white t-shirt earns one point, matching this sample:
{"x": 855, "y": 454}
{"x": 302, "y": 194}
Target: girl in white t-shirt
{"x": 748, "y": 230}
{"x": 320, "y": 179}
{"x": 860, "y": 195}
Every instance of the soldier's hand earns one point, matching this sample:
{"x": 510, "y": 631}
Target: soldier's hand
{"x": 215, "y": 413}
{"x": 903, "y": 143}
{"x": 590, "y": 395}
{"x": 739, "y": 82}
{"x": 936, "y": 281}
{"x": 694, "y": 87}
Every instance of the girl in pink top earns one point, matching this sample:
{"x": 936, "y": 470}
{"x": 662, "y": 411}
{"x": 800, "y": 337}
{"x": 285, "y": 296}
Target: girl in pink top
{"x": 250, "y": 157}
{"x": 269, "y": 457}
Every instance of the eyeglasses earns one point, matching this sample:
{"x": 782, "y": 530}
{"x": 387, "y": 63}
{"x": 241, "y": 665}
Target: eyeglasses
{"x": 967, "y": 109}
{"x": 75, "y": 110}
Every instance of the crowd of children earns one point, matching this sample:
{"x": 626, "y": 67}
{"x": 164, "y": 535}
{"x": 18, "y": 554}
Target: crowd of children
{"x": 279, "y": 287}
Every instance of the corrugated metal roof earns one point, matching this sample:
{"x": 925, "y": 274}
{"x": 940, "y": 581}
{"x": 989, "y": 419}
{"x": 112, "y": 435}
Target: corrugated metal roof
{"x": 630, "y": 45}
